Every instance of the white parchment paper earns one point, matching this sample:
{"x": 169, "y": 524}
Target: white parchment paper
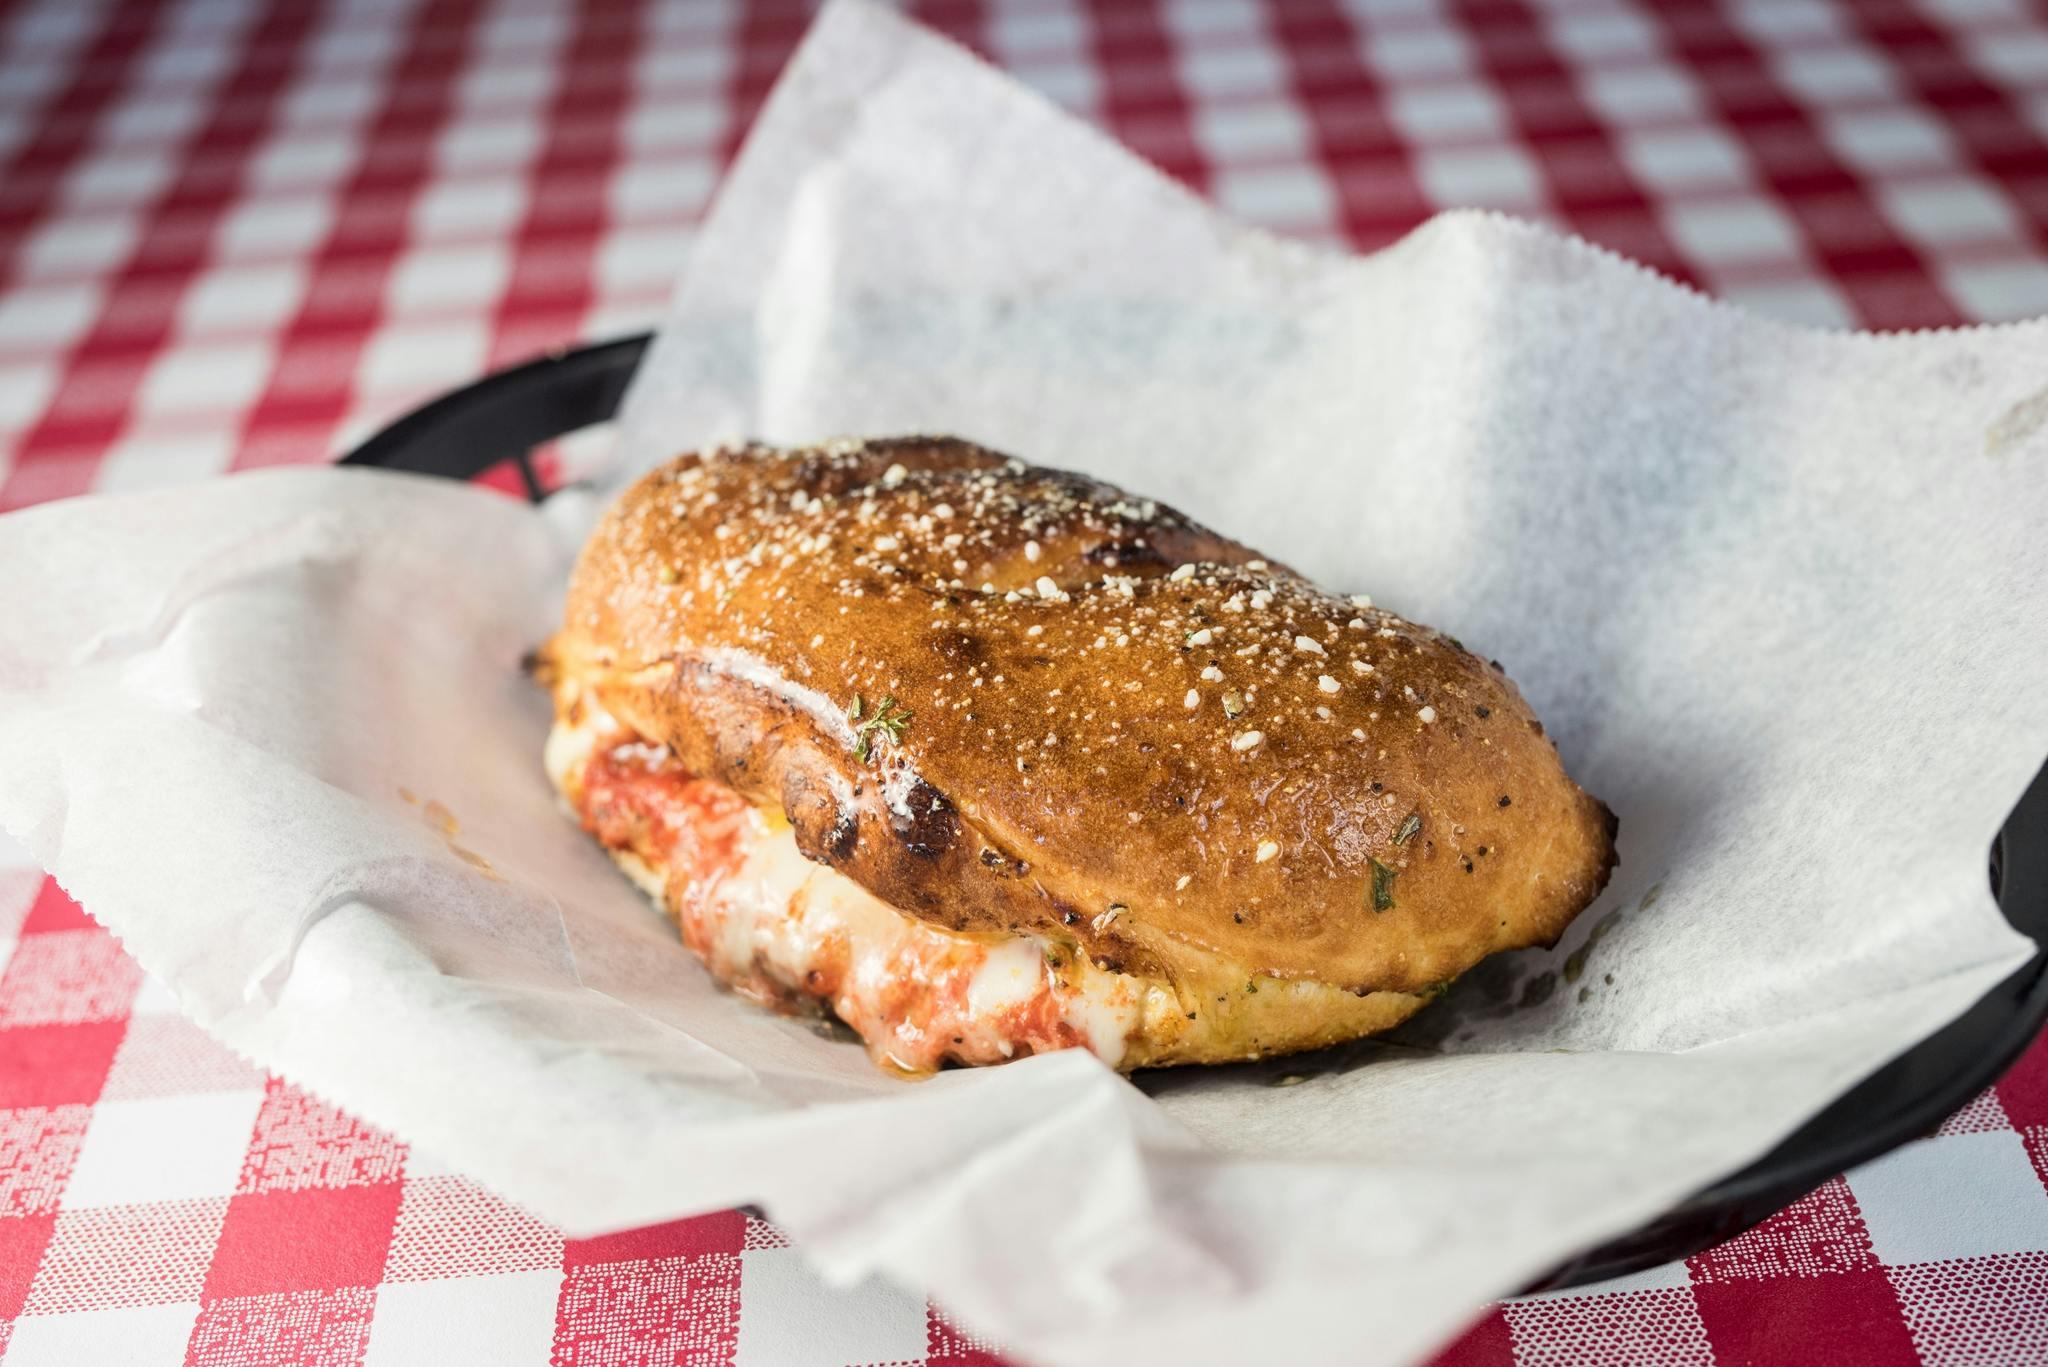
{"x": 1781, "y": 596}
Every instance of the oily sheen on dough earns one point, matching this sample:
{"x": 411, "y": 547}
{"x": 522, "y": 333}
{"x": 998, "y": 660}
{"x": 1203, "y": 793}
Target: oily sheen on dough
{"x": 1124, "y": 732}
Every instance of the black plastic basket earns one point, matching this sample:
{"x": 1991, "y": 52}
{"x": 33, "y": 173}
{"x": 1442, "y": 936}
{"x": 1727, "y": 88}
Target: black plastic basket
{"x": 505, "y": 416}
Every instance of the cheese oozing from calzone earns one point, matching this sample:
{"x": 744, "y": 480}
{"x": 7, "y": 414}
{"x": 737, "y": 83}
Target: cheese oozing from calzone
{"x": 786, "y": 932}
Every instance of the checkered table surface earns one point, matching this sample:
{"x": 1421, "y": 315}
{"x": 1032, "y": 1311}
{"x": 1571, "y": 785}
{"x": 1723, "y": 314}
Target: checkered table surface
{"x": 245, "y": 232}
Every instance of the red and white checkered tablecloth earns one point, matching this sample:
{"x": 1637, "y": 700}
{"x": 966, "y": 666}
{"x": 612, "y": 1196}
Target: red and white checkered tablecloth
{"x": 245, "y": 232}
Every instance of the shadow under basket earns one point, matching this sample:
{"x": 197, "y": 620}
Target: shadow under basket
{"x": 501, "y": 419}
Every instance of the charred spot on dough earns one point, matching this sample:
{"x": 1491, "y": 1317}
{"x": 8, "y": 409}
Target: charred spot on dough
{"x": 1124, "y": 554}
{"x": 999, "y": 864}
{"x": 959, "y": 647}
{"x": 826, "y": 832}
{"x": 843, "y": 835}
{"x": 826, "y": 479}
{"x": 968, "y": 455}
{"x": 923, "y": 821}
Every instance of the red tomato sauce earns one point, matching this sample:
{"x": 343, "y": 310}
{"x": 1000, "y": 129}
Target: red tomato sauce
{"x": 636, "y": 797}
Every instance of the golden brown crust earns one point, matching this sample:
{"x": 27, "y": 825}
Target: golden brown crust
{"x": 1124, "y": 729}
